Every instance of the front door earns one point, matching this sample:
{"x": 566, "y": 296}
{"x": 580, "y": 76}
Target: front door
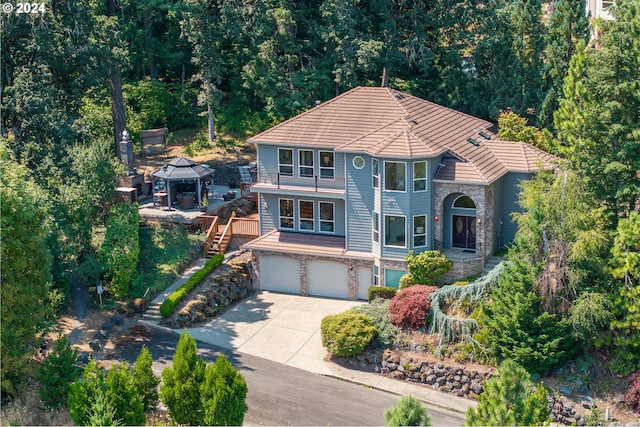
{"x": 464, "y": 232}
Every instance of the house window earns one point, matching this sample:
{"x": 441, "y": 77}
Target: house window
{"x": 306, "y": 163}
{"x": 419, "y": 231}
{"x": 395, "y": 231}
{"x": 376, "y": 275}
{"x": 305, "y": 209}
{"x": 286, "y": 213}
{"x": 327, "y": 221}
{"x": 464, "y": 202}
{"x": 327, "y": 168}
{"x": 285, "y": 161}
{"x": 420, "y": 176}
{"x": 395, "y": 176}
{"x": 376, "y": 227}
{"x": 375, "y": 172}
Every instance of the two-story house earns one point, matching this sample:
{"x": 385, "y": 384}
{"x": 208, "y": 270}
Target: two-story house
{"x": 348, "y": 188}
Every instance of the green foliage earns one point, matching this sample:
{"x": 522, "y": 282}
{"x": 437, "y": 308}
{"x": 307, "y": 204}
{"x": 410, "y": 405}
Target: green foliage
{"x": 409, "y": 411}
{"x": 123, "y": 396}
{"x": 409, "y": 308}
{"x": 509, "y": 399}
{"x": 594, "y": 417}
{"x": 165, "y": 251}
{"x": 589, "y": 313}
{"x": 25, "y": 273}
{"x": 426, "y": 268}
{"x": 146, "y": 381}
{"x": 84, "y": 393}
{"x": 199, "y": 144}
{"x": 514, "y": 128}
{"x": 180, "y": 389}
{"x": 378, "y": 310}
{"x": 168, "y": 305}
{"x": 120, "y": 249}
{"x": 513, "y": 325}
{"x": 347, "y": 333}
{"x": 101, "y": 412}
{"x": 223, "y": 394}
{"x": 57, "y": 373}
{"x": 625, "y": 265}
{"x": 451, "y": 329}
{"x": 386, "y": 292}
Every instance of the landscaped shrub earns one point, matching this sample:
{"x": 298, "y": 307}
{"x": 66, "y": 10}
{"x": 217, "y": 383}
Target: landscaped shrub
{"x": 426, "y": 268}
{"x": 378, "y": 311}
{"x": 348, "y": 333}
{"x": 409, "y": 308}
{"x": 168, "y": 305}
{"x": 632, "y": 398}
{"x": 385, "y": 292}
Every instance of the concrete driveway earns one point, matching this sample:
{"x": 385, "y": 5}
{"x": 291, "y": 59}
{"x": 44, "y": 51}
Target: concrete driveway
{"x": 279, "y": 327}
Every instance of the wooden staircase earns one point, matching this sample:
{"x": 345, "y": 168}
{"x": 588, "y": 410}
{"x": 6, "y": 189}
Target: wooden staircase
{"x": 219, "y": 235}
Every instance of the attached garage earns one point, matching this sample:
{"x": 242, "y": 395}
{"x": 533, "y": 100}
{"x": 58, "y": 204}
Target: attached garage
{"x": 279, "y": 273}
{"x": 327, "y": 279}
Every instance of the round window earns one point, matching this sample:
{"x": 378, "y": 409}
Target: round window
{"x": 358, "y": 162}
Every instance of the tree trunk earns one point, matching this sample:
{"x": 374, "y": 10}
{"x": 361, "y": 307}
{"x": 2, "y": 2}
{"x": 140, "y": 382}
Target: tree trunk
{"x": 385, "y": 77}
{"x": 212, "y": 134}
{"x": 148, "y": 35}
{"x": 117, "y": 101}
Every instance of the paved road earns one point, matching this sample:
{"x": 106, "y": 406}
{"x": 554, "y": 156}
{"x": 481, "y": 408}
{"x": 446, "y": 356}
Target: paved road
{"x": 282, "y": 395}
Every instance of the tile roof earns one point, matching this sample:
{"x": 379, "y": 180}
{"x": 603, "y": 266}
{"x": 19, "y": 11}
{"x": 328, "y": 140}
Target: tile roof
{"x": 383, "y": 122}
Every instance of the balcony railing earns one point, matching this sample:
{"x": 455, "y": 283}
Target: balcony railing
{"x": 317, "y": 183}
{"x": 458, "y": 254}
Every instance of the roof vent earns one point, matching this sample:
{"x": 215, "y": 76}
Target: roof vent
{"x": 399, "y": 95}
{"x": 473, "y": 141}
{"x": 414, "y": 121}
{"x": 484, "y": 134}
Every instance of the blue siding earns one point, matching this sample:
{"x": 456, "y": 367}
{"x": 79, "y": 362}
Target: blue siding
{"x": 510, "y": 204}
{"x": 270, "y": 215}
{"x": 498, "y": 206}
{"x": 268, "y": 160}
{"x": 359, "y": 205}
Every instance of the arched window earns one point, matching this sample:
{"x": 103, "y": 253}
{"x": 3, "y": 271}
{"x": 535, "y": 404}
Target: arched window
{"x": 464, "y": 202}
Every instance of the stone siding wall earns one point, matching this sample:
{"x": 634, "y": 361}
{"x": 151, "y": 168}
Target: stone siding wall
{"x": 461, "y": 270}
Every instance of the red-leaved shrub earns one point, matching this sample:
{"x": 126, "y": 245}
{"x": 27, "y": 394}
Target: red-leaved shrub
{"x": 409, "y": 308}
{"x": 632, "y": 398}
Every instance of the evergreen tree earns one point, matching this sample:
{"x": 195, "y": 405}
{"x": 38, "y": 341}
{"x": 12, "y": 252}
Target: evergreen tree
{"x": 123, "y": 396}
{"x": 84, "y": 393}
{"x": 57, "y": 373}
{"x": 146, "y": 381}
{"x": 513, "y": 325}
{"x": 409, "y": 411}
{"x": 625, "y": 265}
{"x": 509, "y": 399}
{"x": 101, "y": 412}
{"x": 223, "y": 394}
{"x": 25, "y": 273}
{"x": 568, "y": 26}
{"x": 180, "y": 389}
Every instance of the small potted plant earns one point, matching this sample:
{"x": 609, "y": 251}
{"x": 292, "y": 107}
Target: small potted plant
{"x": 204, "y": 204}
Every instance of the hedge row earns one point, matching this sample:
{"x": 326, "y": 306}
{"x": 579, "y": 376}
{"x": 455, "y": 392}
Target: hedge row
{"x": 385, "y": 292}
{"x": 168, "y": 305}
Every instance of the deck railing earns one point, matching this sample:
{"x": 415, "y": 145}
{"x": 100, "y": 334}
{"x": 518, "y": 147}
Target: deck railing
{"x": 312, "y": 182}
{"x": 209, "y": 240}
{"x": 245, "y": 227}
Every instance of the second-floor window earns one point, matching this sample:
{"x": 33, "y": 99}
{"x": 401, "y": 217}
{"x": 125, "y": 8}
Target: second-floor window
{"x": 327, "y": 217}
{"x": 395, "y": 231}
{"x": 285, "y": 161}
{"x": 306, "y": 215}
{"x": 395, "y": 175}
{"x": 420, "y": 176}
{"x": 286, "y": 213}
{"x": 306, "y": 163}
{"x": 327, "y": 166}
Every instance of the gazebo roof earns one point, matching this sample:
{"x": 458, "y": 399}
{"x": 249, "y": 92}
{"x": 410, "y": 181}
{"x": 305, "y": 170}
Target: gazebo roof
{"x": 182, "y": 168}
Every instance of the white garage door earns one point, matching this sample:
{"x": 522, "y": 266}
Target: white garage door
{"x": 364, "y": 281}
{"x": 280, "y": 274}
{"x": 327, "y": 279}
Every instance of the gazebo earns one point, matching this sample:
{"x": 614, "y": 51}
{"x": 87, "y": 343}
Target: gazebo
{"x": 181, "y": 180}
